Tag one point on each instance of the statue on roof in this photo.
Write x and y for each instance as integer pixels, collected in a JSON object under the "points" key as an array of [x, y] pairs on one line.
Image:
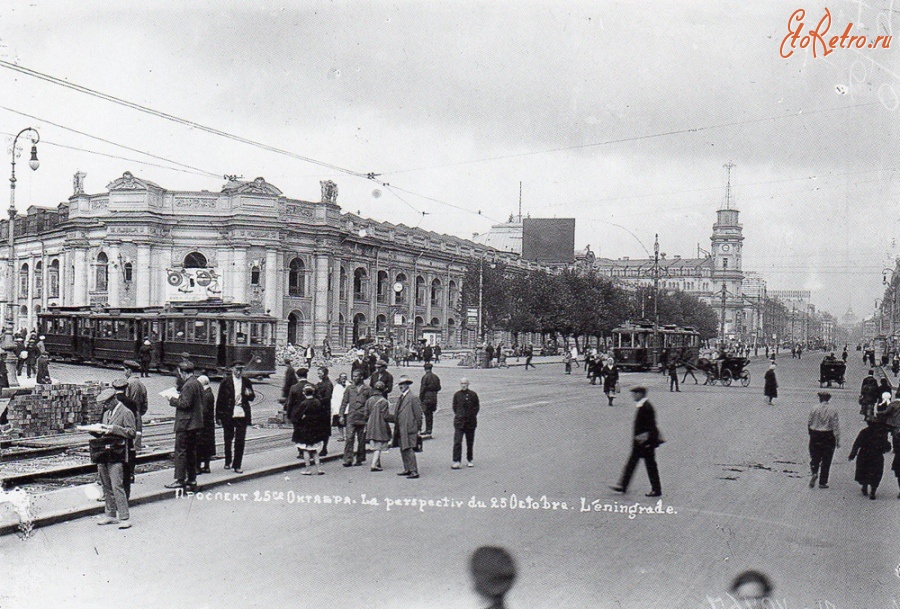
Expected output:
{"points": [[78, 183], [329, 191]]}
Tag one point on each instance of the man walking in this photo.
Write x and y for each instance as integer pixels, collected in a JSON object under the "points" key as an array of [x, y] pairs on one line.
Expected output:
{"points": [[529, 353], [408, 416], [645, 440], [868, 395], [428, 390], [353, 416], [188, 423], [824, 437], [465, 420], [233, 412], [673, 376]]}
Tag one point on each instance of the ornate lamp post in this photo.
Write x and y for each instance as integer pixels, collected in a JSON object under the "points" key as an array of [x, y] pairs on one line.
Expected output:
{"points": [[8, 345]]}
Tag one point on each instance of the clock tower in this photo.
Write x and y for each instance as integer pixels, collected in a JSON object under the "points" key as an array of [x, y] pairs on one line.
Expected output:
{"points": [[727, 243]]}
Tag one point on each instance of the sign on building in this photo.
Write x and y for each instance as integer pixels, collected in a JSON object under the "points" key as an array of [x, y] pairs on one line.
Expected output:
{"points": [[192, 284]]}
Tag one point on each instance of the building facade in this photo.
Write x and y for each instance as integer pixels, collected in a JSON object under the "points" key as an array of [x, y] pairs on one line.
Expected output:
{"points": [[322, 273]]}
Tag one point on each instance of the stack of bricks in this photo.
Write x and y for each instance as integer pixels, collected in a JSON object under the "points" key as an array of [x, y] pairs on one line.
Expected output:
{"points": [[53, 409]]}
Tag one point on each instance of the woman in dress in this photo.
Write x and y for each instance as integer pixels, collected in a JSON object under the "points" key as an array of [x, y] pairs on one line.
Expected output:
{"points": [[206, 445], [312, 425], [771, 384], [868, 450], [378, 432], [610, 376]]}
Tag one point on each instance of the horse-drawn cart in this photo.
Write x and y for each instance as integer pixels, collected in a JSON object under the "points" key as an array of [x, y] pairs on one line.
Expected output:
{"points": [[832, 371], [725, 370]]}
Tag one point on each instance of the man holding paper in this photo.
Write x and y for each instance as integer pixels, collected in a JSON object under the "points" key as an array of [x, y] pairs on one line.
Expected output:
{"points": [[188, 423]]}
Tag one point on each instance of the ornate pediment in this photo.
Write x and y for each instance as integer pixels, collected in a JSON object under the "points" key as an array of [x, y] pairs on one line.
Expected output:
{"points": [[129, 182], [259, 186]]}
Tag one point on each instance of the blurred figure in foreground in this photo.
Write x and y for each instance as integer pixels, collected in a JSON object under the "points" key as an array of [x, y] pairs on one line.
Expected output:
{"points": [[493, 574]]}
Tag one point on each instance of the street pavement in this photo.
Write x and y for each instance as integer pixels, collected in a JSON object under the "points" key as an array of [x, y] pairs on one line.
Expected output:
{"points": [[734, 473]]}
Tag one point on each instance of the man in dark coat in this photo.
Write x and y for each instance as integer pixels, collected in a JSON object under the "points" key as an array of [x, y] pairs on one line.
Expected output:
{"points": [[31, 360], [188, 423], [529, 353], [361, 364], [323, 392], [233, 412], [137, 393], [42, 376], [353, 415], [868, 395], [428, 390], [381, 374], [770, 387], [428, 353], [465, 420], [408, 415], [290, 377], [645, 440], [145, 356]]}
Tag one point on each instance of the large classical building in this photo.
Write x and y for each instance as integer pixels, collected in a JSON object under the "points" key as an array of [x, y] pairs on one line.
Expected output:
{"points": [[320, 272], [716, 278]]}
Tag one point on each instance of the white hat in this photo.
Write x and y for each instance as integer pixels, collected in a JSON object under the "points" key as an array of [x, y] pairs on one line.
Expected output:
{"points": [[886, 396], [360, 352]]}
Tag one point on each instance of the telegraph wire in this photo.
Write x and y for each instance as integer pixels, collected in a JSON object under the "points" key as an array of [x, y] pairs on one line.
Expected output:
{"points": [[105, 141]]}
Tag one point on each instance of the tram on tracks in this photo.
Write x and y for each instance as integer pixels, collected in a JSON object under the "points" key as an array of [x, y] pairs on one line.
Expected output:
{"points": [[633, 345], [212, 333]]}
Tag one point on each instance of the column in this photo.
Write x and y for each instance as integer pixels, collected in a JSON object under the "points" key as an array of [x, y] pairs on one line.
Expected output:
{"points": [[336, 301], [142, 274], [273, 272], [239, 275], [65, 292], [224, 258], [320, 300], [31, 275], [158, 280], [45, 273], [428, 279], [80, 287], [113, 274]]}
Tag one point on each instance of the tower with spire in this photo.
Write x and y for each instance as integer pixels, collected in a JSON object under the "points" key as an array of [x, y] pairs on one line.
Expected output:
{"points": [[727, 241]]}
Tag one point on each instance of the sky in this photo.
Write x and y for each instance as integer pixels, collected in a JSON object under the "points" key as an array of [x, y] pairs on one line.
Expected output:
{"points": [[621, 115]]}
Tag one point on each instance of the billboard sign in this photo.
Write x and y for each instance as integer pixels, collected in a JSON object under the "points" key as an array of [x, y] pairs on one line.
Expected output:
{"points": [[548, 240]]}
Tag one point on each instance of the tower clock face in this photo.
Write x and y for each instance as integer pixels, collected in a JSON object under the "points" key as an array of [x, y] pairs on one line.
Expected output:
{"points": [[726, 248]]}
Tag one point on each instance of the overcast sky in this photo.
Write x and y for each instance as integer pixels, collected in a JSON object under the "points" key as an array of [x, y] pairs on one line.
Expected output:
{"points": [[608, 112]]}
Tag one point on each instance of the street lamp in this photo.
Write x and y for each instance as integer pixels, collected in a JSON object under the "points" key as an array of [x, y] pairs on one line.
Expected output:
{"points": [[8, 345]]}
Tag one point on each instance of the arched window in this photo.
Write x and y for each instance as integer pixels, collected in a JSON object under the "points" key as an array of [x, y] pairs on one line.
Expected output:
{"points": [[296, 278], [380, 323], [53, 279], [436, 292], [360, 284], [254, 275], [38, 279], [23, 281], [195, 260], [400, 297], [343, 286], [454, 294], [102, 273], [128, 271], [382, 286], [420, 291]]}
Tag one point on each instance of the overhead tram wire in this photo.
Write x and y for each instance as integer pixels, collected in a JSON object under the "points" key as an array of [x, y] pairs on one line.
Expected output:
{"points": [[112, 143], [194, 125], [635, 138]]}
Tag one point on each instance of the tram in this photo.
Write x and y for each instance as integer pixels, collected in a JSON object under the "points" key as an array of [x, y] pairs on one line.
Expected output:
{"points": [[633, 345], [212, 333]]}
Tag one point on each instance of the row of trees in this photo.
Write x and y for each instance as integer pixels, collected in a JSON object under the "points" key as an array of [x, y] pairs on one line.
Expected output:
{"points": [[573, 303]]}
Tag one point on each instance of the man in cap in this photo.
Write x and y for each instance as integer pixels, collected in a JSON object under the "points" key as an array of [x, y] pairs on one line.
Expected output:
{"points": [[120, 385], [428, 390], [290, 378], [188, 423], [137, 393], [645, 440], [116, 420], [233, 412], [353, 416], [465, 420], [408, 417], [145, 356], [361, 364], [381, 374], [42, 376], [824, 437], [324, 391], [493, 573]]}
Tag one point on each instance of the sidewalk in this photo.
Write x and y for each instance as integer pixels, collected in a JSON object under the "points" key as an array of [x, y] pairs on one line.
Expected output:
{"points": [[78, 501]]}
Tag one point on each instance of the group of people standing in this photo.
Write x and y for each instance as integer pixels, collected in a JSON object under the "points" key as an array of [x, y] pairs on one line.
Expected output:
{"points": [[603, 367], [31, 357]]}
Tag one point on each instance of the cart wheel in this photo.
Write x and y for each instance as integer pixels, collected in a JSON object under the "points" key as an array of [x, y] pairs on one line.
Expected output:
{"points": [[745, 378], [726, 378], [710, 378]]}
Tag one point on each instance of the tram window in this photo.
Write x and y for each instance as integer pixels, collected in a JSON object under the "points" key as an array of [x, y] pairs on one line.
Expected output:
{"points": [[170, 330], [84, 328], [254, 334], [179, 326], [240, 333], [200, 331]]}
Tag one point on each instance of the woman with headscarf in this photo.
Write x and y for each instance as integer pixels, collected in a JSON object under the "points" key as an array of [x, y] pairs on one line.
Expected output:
{"points": [[378, 432], [206, 444], [868, 450], [312, 425]]}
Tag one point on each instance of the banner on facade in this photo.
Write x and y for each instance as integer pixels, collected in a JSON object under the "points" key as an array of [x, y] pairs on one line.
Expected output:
{"points": [[192, 284]]}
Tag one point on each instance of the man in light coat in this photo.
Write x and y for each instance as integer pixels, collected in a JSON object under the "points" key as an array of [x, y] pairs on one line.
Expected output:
{"points": [[408, 416]]}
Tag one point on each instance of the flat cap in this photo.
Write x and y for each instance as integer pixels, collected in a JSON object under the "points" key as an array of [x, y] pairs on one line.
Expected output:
{"points": [[120, 384], [106, 395], [379, 385], [404, 380], [381, 362], [638, 388]]}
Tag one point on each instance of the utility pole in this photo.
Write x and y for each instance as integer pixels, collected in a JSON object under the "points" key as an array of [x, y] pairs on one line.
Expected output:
{"points": [[793, 316], [655, 300], [722, 327]]}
